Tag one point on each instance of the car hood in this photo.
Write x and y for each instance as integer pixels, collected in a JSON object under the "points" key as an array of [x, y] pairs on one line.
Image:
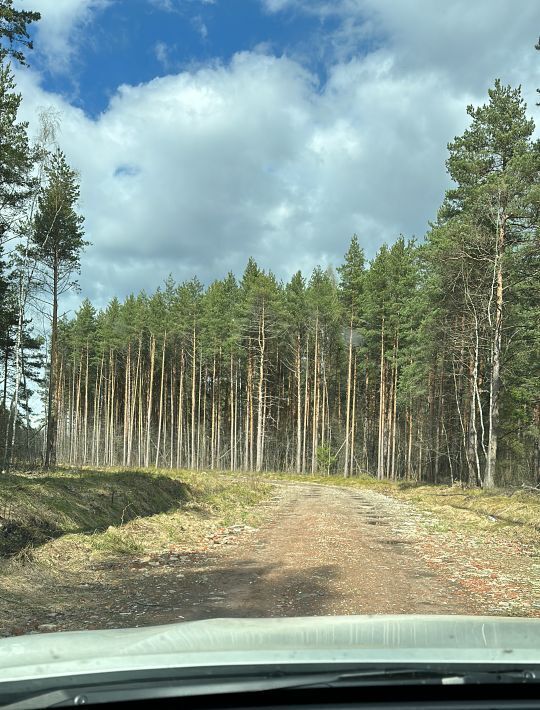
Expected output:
{"points": [[242, 642]]}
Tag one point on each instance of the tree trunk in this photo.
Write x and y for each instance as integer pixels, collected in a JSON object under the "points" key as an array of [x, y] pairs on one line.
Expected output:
{"points": [[193, 458], [298, 375], [496, 348], [353, 419], [348, 405], [160, 415], [380, 447], [260, 402], [52, 403], [315, 423], [149, 401]]}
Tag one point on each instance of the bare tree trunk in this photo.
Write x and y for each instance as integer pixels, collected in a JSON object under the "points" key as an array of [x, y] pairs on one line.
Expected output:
{"points": [[472, 442], [218, 414], [260, 403], [85, 453], [353, 418], [198, 454], [180, 421], [315, 422], [52, 403], [193, 459], [496, 348], [365, 427], [232, 416], [149, 401], [410, 440], [172, 414], [99, 410], [306, 410], [160, 415], [127, 406], [213, 418], [298, 374], [76, 446], [380, 447], [348, 405], [394, 411], [133, 403]]}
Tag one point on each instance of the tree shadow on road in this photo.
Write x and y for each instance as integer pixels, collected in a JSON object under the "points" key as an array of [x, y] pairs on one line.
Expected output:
{"points": [[192, 591]]}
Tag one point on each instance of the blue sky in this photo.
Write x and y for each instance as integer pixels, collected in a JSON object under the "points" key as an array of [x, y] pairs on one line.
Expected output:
{"points": [[206, 132], [134, 41]]}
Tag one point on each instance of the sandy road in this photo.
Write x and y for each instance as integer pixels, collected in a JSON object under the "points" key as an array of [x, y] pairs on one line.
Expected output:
{"points": [[322, 550]]}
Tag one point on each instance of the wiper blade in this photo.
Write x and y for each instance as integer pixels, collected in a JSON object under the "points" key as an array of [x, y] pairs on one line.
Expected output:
{"points": [[170, 688], [422, 676]]}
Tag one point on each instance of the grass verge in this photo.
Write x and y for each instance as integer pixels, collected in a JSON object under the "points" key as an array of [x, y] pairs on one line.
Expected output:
{"points": [[61, 529]]}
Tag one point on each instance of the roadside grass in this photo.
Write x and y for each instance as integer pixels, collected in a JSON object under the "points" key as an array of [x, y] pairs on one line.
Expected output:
{"points": [[37, 507], [61, 528]]}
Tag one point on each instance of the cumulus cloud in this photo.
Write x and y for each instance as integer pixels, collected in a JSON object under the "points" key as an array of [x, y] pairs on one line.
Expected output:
{"points": [[175, 5], [469, 42], [61, 28], [192, 173]]}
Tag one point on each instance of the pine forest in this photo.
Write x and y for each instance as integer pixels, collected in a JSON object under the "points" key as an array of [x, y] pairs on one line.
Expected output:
{"points": [[421, 363]]}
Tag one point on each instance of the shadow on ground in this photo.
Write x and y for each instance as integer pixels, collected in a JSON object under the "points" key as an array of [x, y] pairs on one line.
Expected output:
{"points": [[189, 592], [37, 508]]}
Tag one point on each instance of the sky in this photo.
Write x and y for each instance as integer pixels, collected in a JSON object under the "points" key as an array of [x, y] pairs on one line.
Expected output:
{"points": [[208, 131]]}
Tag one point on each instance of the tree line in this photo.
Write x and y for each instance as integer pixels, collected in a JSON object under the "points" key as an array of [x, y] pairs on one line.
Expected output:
{"points": [[422, 363], [41, 238]]}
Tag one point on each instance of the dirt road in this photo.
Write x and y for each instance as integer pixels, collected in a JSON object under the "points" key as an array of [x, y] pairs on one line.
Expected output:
{"points": [[320, 550], [323, 551]]}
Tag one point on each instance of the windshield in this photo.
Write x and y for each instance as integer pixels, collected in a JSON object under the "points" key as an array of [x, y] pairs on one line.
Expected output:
{"points": [[270, 311]]}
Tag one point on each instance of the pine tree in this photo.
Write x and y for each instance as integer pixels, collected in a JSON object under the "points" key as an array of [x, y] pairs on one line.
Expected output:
{"points": [[57, 242], [14, 31], [351, 274], [496, 167]]}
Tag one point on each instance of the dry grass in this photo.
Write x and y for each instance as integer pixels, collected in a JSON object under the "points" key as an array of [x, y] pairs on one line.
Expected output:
{"points": [[70, 523]]}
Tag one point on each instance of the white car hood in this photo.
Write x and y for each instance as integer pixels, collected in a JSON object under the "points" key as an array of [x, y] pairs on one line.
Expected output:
{"points": [[228, 642]]}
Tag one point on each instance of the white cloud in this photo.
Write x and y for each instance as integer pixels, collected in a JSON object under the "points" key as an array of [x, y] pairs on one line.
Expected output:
{"points": [[469, 42], [192, 173], [175, 5], [161, 50], [200, 27], [166, 5], [61, 28]]}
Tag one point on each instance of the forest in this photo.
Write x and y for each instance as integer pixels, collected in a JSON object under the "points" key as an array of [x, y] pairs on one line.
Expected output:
{"points": [[422, 363]]}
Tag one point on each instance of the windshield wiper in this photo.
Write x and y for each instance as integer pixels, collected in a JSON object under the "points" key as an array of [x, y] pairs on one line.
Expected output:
{"points": [[266, 681], [419, 675]]}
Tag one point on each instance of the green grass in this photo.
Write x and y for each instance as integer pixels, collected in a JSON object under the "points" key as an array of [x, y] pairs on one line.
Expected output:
{"points": [[60, 530], [102, 506]]}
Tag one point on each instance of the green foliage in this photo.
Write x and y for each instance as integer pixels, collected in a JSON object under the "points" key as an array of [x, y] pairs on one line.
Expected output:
{"points": [[16, 157], [325, 458], [14, 31], [57, 238], [352, 277]]}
